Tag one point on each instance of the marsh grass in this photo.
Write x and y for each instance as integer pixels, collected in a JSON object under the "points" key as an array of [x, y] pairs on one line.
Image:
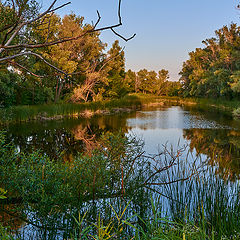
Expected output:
{"points": [[133, 101], [28, 113]]}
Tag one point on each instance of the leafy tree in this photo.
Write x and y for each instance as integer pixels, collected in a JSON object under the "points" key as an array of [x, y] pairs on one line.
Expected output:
{"points": [[81, 56], [20, 17], [212, 71], [130, 81], [151, 82], [8, 84], [116, 72], [161, 82], [142, 78]]}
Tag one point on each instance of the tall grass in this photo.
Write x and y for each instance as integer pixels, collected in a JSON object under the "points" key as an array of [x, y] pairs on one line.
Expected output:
{"points": [[107, 195], [27, 113]]}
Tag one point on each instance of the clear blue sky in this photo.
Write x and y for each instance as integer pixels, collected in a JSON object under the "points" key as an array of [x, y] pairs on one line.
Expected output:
{"points": [[166, 29]]}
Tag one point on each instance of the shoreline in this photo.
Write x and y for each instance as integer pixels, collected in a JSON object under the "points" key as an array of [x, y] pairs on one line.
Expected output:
{"points": [[127, 104]]}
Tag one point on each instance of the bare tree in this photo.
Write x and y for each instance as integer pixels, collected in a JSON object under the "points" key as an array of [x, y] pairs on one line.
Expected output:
{"points": [[23, 17]]}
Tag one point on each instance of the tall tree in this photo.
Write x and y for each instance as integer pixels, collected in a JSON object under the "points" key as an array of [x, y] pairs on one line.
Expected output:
{"points": [[116, 71], [161, 82], [212, 71], [19, 17]]}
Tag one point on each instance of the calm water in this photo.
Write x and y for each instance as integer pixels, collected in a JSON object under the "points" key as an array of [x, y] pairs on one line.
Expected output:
{"points": [[204, 132], [210, 135]]}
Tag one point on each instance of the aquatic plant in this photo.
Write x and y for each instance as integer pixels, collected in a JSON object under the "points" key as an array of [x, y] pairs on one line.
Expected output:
{"points": [[117, 192]]}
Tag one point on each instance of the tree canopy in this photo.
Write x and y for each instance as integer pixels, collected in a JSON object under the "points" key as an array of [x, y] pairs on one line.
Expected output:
{"points": [[213, 71]]}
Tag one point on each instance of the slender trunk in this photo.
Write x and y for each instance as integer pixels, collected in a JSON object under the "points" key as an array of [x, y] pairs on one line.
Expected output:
{"points": [[59, 90], [55, 99]]}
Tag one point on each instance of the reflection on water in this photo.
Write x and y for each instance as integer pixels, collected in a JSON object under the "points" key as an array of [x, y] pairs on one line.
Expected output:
{"points": [[221, 146], [173, 117], [210, 133]]}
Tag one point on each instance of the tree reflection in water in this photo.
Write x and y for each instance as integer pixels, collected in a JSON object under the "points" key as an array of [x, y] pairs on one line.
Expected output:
{"points": [[95, 182], [222, 146]]}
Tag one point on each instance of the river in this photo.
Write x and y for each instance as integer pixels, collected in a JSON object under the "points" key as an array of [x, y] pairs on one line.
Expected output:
{"points": [[203, 130], [193, 135]]}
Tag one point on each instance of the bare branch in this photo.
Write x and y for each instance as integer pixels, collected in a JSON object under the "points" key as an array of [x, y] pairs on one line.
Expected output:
{"points": [[26, 23], [34, 54], [49, 25], [25, 69], [119, 35], [42, 14], [99, 19], [159, 171], [57, 8], [47, 44], [16, 27], [119, 12], [152, 189], [171, 182]]}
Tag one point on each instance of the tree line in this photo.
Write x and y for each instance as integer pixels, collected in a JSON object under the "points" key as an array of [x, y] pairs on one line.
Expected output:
{"points": [[80, 70], [214, 70], [46, 58]]}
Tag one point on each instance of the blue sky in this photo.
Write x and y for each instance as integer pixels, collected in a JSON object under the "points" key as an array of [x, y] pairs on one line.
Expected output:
{"points": [[166, 29]]}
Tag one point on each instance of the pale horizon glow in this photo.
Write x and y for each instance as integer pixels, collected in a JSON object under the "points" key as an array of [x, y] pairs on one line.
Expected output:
{"points": [[166, 30]]}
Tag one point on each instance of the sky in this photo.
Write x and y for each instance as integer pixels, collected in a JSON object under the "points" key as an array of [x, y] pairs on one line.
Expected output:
{"points": [[166, 30]]}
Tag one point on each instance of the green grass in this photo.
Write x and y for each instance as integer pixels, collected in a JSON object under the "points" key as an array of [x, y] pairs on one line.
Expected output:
{"points": [[133, 101], [28, 113]]}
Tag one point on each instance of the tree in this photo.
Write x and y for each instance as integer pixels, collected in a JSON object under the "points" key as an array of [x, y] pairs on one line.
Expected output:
{"points": [[20, 17], [81, 56], [212, 71], [161, 82], [130, 81], [116, 71], [142, 79]]}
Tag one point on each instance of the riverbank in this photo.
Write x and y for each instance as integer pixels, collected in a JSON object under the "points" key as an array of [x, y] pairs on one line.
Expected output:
{"points": [[63, 110], [59, 111], [226, 106], [124, 105], [77, 200]]}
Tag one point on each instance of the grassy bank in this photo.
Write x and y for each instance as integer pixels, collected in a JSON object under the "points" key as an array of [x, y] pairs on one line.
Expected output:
{"points": [[128, 103], [44, 112], [228, 106]]}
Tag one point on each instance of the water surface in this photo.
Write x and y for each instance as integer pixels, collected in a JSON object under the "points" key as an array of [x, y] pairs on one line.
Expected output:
{"points": [[203, 134], [204, 131]]}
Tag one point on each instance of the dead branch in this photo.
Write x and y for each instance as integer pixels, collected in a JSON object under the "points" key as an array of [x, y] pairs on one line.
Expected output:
{"points": [[93, 29], [34, 54], [25, 69], [16, 27], [119, 35], [171, 182]]}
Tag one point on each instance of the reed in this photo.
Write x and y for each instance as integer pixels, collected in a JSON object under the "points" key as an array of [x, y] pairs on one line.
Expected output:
{"points": [[38, 112], [104, 195]]}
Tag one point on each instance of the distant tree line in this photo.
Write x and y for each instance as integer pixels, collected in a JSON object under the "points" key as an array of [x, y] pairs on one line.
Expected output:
{"points": [[150, 82]]}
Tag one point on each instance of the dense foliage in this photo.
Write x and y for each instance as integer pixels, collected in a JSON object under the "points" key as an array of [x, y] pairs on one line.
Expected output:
{"points": [[214, 71], [93, 74]]}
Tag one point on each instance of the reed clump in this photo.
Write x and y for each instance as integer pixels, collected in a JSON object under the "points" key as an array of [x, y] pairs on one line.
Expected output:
{"points": [[117, 192]]}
